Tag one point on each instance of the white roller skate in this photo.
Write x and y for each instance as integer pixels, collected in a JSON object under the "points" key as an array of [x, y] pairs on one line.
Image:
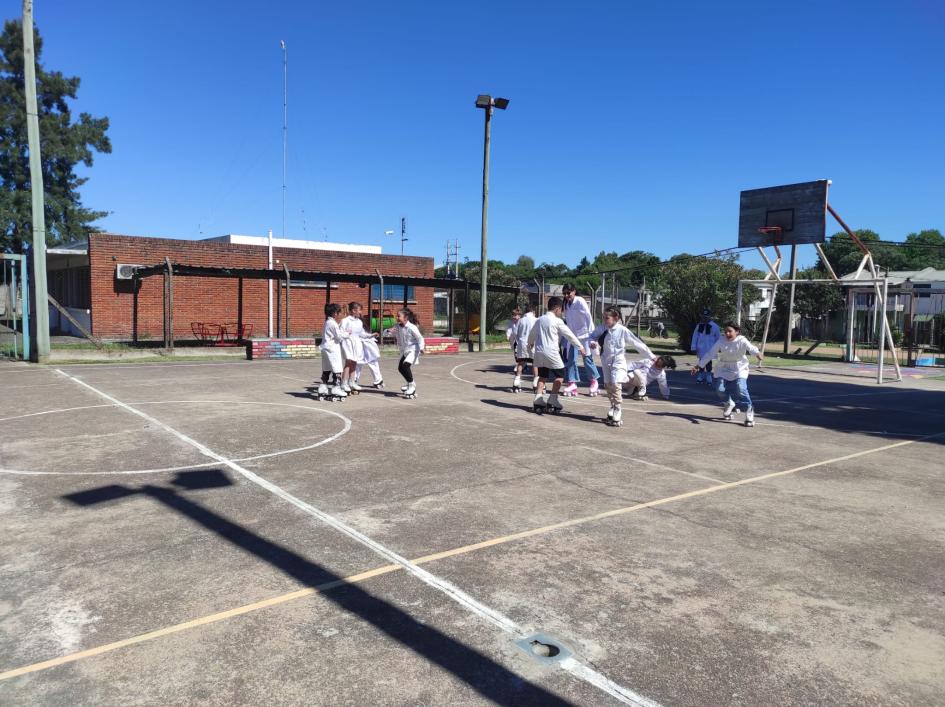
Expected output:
{"points": [[617, 419], [639, 394], [410, 393], [355, 389], [535, 384], [346, 387], [729, 409], [554, 405], [338, 393], [378, 385], [610, 414], [517, 384], [403, 388], [540, 403], [570, 390], [750, 417], [323, 392]]}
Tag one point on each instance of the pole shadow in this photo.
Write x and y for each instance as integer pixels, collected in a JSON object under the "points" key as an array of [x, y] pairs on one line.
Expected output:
{"points": [[487, 677]]}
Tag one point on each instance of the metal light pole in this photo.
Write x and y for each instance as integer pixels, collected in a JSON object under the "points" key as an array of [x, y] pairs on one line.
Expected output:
{"points": [[487, 103], [40, 349]]}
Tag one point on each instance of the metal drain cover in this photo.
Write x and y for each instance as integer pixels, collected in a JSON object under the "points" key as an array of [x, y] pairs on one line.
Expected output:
{"points": [[543, 648]]}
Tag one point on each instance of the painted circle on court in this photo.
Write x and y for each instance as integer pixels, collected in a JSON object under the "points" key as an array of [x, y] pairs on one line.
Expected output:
{"points": [[346, 427]]}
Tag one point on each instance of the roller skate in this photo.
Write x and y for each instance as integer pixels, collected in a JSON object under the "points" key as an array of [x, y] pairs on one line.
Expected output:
{"points": [[323, 392], [554, 405], [535, 384], [517, 384], [729, 409], [540, 404], [610, 415], [570, 390], [378, 385], [616, 419], [750, 417], [403, 388], [639, 394], [593, 388], [346, 387], [337, 393], [353, 388], [410, 392]]}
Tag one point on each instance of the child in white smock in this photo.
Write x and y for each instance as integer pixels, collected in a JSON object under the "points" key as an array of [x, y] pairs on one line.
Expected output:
{"points": [[731, 376]]}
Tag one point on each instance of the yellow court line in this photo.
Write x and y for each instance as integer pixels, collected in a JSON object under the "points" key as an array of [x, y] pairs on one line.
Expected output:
{"points": [[386, 569]]}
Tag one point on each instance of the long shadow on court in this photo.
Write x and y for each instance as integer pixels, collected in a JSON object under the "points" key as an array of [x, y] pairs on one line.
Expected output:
{"points": [[490, 679], [526, 407], [888, 411]]}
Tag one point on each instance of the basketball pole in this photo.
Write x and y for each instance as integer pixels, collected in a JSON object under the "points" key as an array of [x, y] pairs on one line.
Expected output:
{"points": [[789, 327]]}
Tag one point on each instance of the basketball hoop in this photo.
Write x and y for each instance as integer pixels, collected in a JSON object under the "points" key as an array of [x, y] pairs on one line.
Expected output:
{"points": [[774, 233]]}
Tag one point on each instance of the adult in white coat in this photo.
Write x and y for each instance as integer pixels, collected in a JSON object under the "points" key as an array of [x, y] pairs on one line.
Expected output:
{"points": [[703, 338], [544, 341], [577, 315], [613, 338]]}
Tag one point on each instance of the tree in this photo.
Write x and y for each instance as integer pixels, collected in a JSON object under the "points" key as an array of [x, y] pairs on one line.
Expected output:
{"points": [[925, 249], [498, 306], [689, 284], [815, 301], [845, 256], [64, 143], [525, 262]]}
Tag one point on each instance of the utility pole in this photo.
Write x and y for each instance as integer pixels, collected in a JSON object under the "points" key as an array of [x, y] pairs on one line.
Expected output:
{"points": [[285, 127], [641, 294], [403, 233], [40, 322], [488, 103]]}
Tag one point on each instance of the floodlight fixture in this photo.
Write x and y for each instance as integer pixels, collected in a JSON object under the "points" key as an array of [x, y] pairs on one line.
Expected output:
{"points": [[501, 103], [483, 100]]}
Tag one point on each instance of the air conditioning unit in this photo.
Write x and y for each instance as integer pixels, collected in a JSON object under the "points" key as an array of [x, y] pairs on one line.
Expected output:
{"points": [[124, 271]]}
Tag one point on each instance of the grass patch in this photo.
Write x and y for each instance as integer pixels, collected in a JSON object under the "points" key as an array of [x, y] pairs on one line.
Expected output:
{"points": [[88, 346]]}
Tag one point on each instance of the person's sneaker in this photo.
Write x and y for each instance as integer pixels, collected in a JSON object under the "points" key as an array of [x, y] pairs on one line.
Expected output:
{"points": [[729, 409], [594, 387]]}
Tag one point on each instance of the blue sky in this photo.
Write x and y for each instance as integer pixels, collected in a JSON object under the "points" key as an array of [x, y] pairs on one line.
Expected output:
{"points": [[631, 126]]}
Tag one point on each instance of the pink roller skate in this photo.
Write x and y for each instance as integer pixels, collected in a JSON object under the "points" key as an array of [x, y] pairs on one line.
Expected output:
{"points": [[570, 390], [594, 386]]}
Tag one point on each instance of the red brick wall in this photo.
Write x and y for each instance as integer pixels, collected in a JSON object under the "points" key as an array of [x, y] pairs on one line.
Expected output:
{"points": [[216, 299]]}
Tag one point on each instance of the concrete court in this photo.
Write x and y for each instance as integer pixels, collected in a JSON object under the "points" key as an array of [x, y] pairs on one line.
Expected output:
{"points": [[190, 583]]}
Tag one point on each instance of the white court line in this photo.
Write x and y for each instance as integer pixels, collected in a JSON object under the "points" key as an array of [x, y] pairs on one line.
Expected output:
{"points": [[167, 469], [653, 464], [487, 613]]}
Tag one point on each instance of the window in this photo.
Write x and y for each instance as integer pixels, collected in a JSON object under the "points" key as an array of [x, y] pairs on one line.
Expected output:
{"points": [[316, 284], [393, 293]]}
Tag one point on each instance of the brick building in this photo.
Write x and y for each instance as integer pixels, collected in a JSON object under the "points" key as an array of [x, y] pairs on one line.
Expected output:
{"points": [[84, 279]]}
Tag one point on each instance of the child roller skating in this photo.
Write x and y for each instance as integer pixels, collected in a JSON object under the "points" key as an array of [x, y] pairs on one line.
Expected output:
{"points": [[612, 338], [704, 337], [358, 348], [519, 338], [411, 345], [651, 371], [332, 355], [544, 341], [731, 379], [577, 315]]}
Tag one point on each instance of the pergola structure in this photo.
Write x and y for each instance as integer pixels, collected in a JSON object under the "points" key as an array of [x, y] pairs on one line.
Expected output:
{"points": [[169, 270]]}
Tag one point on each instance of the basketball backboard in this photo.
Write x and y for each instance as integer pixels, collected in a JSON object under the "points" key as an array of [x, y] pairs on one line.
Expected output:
{"points": [[799, 210]]}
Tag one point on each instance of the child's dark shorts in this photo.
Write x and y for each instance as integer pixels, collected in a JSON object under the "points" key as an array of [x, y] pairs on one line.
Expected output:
{"points": [[550, 373]]}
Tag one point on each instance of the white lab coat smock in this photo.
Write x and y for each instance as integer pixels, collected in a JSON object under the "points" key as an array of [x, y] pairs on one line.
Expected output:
{"points": [[353, 346], [577, 315], [545, 340], [522, 330], [705, 339], [409, 341], [733, 357], [332, 354], [647, 373], [510, 337], [613, 355]]}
